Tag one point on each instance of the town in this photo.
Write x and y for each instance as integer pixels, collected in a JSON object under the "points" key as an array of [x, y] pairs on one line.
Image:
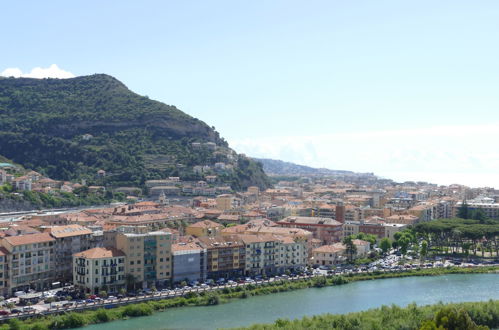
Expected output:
{"points": [[171, 239]]}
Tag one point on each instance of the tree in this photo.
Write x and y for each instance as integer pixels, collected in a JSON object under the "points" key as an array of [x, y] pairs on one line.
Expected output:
{"points": [[130, 281], [385, 245], [423, 251], [351, 249], [479, 215], [103, 294], [463, 211]]}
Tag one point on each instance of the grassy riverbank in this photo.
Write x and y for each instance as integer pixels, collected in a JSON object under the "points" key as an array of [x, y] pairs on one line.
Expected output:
{"points": [[472, 315], [79, 319]]}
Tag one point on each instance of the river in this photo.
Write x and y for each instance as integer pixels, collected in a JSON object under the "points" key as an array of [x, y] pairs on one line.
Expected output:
{"points": [[341, 299]]}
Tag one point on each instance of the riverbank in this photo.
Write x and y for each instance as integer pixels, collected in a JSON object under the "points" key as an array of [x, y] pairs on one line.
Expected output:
{"points": [[472, 314], [74, 319]]}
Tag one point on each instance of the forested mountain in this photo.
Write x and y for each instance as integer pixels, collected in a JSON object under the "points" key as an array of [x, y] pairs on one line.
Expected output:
{"points": [[70, 128], [279, 167]]}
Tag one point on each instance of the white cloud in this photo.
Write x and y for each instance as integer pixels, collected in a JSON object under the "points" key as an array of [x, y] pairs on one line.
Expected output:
{"points": [[440, 154], [52, 71]]}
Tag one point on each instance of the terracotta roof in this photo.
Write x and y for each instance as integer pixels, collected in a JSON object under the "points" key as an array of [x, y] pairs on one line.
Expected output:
{"points": [[360, 242], [99, 253], [205, 224], [334, 248], [29, 239], [69, 230], [248, 239]]}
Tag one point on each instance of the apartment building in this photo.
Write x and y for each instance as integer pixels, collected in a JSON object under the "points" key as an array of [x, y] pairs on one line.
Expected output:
{"points": [[262, 254], [99, 269], [4, 272], [487, 205], [293, 254], [69, 240], [325, 229], [204, 228], [32, 263], [226, 256], [148, 254], [189, 261], [328, 255], [225, 202]]}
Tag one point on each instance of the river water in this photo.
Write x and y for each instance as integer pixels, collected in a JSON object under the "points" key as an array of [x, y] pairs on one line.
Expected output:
{"points": [[341, 299]]}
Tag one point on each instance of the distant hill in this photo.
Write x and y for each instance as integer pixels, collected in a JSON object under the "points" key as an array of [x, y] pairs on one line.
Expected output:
{"points": [[69, 129], [279, 167]]}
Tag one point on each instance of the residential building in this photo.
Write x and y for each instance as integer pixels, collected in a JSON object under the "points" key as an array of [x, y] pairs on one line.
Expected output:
{"points": [[392, 228], [293, 254], [262, 254], [189, 261], [4, 271], [148, 254], [69, 240], [225, 202], [226, 256], [363, 248], [328, 255], [325, 229], [204, 228], [32, 263], [99, 269]]}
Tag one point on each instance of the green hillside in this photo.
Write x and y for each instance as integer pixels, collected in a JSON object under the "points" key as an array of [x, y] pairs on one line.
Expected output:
{"points": [[69, 129]]}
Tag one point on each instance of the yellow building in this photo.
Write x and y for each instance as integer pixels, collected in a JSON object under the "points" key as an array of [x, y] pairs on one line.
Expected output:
{"points": [[225, 202], [148, 255], [204, 228]]}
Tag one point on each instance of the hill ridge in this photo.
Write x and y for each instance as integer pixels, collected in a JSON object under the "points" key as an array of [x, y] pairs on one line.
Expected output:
{"points": [[71, 128]]}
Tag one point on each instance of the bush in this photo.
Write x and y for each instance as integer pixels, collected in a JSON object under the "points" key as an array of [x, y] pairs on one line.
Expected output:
{"points": [[137, 310], [212, 299], [102, 315]]}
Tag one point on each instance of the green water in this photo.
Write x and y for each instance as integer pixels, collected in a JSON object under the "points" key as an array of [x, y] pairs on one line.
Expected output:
{"points": [[352, 297]]}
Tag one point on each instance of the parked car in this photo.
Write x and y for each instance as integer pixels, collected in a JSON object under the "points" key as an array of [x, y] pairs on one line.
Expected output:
{"points": [[4, 312], [16, 310]]}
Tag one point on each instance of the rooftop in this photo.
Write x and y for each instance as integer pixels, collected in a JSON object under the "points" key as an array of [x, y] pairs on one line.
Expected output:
{"points": [[29, 239], [99, 253]]}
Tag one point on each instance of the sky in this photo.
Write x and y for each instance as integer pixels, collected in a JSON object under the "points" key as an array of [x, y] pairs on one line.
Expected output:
{"points": [[405, 89]]}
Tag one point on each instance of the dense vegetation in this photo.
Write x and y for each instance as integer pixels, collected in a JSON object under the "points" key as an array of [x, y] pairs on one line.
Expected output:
{"points": [[68, 129], [463, 236], [57, 199], [462, 316]]}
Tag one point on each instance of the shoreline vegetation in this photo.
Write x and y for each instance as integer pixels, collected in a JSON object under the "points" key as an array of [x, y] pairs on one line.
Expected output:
{"points": [[465, 316], [70, 320]]}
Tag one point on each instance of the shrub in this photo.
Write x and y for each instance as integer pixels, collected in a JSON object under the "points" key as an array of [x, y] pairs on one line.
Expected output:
{"points": [[137, 310]]}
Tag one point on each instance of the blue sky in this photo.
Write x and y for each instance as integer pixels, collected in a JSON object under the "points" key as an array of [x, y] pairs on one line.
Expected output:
{"points": [[405, 89]]}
